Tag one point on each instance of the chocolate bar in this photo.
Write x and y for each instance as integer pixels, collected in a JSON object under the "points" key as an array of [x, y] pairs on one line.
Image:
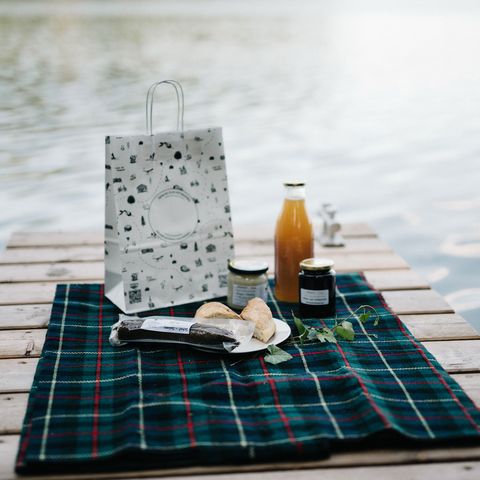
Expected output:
{"points": [[169, 330]]}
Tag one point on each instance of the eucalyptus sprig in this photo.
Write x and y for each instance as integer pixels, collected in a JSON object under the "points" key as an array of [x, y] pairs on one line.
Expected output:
{"points": [[342, 329]]}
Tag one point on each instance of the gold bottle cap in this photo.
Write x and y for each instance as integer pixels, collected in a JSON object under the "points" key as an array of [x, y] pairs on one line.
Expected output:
{"points": [[317, 264]]}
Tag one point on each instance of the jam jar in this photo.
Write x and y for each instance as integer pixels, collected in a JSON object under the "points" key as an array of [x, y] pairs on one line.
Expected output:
{"points": [[246, 280], [316, 288]]}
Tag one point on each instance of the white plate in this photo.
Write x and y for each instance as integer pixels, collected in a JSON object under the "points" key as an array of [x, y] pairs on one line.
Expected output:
{"points": [[282, 332]]}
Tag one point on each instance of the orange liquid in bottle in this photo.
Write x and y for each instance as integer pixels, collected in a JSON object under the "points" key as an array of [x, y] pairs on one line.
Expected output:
{"points": [[293, 243]]}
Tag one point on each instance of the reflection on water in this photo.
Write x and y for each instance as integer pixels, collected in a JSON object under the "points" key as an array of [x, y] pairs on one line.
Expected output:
{"points": [[466, 299], [377, 109], [437, 274], [462, 246]]}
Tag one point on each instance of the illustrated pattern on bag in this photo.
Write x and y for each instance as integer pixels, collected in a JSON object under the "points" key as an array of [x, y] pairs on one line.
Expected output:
{"points": [[173, 214]]}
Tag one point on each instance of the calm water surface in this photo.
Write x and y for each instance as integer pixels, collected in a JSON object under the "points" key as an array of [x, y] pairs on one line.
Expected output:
{"points": [[377, 108]]}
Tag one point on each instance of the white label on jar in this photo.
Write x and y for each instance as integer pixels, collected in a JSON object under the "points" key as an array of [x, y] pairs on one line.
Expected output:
{"points": [[167, 325], [313, 297], [241, 294]]}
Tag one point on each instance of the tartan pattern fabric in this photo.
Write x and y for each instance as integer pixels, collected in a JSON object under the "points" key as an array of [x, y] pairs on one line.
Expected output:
{"points": [[91, 402]]}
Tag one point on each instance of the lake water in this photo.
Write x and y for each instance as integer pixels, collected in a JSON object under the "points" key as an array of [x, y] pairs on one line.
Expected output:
{"points": [[377, 108]]}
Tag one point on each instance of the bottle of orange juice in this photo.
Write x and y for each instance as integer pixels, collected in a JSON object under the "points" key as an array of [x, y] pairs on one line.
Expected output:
{"points": [[293, 242]]}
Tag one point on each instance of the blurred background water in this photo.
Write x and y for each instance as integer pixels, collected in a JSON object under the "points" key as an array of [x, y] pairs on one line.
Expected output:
{"points": [[377, 107]]}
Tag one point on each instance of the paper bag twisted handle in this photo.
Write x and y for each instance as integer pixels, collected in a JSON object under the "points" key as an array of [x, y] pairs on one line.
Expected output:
{"points": [[149, 104]]}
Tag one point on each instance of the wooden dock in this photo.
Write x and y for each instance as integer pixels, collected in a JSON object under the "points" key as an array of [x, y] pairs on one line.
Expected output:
{"points": [[34, 263]]}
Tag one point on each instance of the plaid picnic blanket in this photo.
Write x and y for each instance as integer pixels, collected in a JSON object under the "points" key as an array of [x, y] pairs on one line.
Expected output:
{"points": [[96, 406]]}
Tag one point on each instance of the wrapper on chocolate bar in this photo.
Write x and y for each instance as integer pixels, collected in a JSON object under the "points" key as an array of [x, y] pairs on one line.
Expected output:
{"points": [[219, 335]]}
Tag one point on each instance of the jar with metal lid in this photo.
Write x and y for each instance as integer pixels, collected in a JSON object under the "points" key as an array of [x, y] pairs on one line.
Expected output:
{"points": [[246, 280], [317, 287]]}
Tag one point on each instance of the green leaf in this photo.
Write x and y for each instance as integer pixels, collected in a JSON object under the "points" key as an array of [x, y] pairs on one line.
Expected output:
{"points": [[368, 311], [311, 333], [299, 324], [345, 330], [276, 355], [302, 328], [364, 316], [326, 335]]}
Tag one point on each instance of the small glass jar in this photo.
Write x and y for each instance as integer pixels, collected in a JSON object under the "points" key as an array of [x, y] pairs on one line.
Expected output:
{"points": [[246, 280], [317, 288]]}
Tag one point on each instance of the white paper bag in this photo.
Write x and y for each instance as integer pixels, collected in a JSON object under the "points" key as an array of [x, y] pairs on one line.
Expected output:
{"points": [[168, 230]]}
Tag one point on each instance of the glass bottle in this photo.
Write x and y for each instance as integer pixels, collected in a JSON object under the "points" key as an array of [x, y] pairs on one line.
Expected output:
{"points": [[293, 242]]}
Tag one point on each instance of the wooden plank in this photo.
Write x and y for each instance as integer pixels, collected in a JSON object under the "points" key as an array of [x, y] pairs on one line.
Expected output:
{"points": [[28, 293], [458, 356], [13, 407], [352, 245], [354, 229], [24, 316], [21, 343], [355, 245], [81, 271], [442, 326], [41, 292], [377, 462], [53, 272], [354, 262], [356, 458], [36, 292], [244, 233], [31, 292], [54, 239], [87, 253], [455, 356], [428, 327], [396, 280], [16, 374], [95, 253], [470, 383], [450, 471], [357, 262], [416, 301], [265, 233]]}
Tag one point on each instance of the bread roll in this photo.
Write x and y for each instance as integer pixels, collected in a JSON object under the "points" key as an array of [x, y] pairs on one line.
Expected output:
{"points": [[257, 311], [215, 310]]}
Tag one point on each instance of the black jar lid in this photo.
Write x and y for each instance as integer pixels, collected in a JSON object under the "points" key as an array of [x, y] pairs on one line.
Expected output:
{"points": [[317, 264], [247, 267]]}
